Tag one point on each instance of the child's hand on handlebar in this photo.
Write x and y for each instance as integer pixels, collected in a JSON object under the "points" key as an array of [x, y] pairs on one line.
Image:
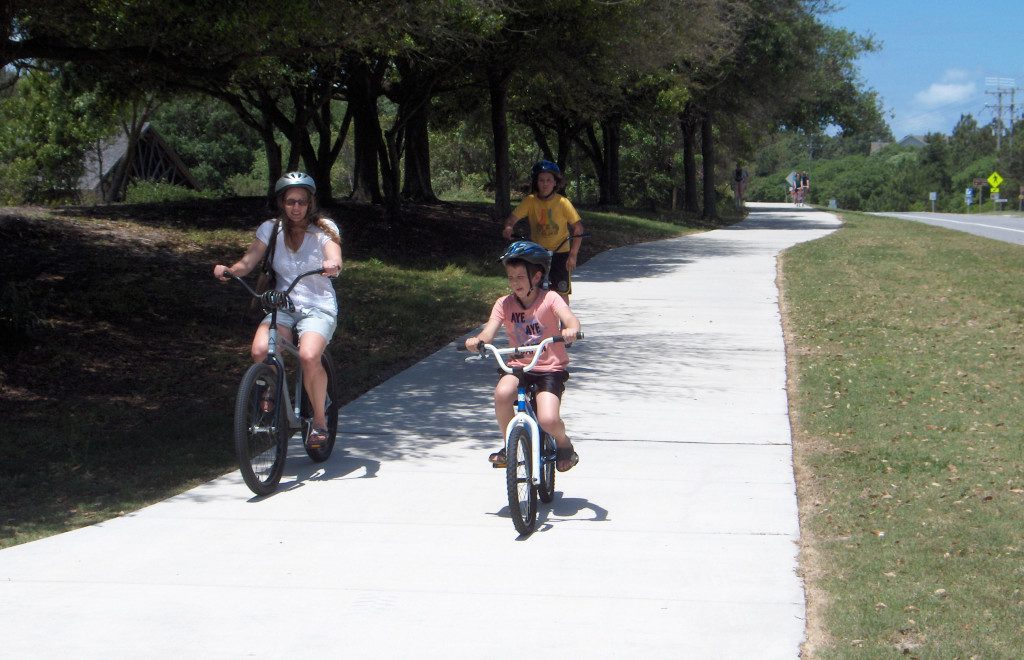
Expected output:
{"points": [[473, 344], [569, 335]]}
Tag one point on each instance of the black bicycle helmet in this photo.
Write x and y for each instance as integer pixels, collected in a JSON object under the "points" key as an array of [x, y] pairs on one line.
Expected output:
{"points": [[546, 166], [531, 253], [295, 180]]}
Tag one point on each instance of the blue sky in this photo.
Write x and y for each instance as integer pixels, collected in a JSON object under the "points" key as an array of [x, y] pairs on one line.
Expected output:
{"points": [[935, 57]]}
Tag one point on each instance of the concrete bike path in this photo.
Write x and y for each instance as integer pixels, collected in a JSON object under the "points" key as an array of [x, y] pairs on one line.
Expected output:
{"points": [[674, 537]]}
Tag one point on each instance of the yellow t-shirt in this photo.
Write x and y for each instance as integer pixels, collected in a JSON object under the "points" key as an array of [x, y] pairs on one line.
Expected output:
{"points": [[549, 220]]}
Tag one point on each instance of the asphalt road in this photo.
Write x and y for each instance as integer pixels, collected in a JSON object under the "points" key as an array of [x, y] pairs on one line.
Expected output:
{"points": [[1006, 228]]}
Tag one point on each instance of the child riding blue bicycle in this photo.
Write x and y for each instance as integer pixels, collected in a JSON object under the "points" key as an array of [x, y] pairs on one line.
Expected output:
{"points": [[530, 314]]}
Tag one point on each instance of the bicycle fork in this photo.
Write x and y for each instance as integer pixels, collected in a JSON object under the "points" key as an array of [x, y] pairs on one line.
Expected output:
{"points": [[525, 418]]}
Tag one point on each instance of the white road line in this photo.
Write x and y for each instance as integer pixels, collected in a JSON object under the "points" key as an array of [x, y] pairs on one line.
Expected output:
{"points": [[956, 222]]}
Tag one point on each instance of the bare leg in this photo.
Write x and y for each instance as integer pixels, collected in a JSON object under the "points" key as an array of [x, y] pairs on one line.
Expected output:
{"points": [[505, 401], [550, 417], [314, 376]]}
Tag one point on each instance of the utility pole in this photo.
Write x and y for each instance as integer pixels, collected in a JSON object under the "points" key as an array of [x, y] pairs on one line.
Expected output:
{"points": [[1003, 87]]}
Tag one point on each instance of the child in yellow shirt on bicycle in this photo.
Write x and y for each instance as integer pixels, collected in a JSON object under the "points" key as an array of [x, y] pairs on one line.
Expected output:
{"points": [[553, 223]]}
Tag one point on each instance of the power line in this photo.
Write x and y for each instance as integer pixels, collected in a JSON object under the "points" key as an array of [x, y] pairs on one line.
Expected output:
{"points": [[1003, 87]]}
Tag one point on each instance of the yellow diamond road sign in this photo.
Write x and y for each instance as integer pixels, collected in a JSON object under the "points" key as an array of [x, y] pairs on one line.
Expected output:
{"points": [[994, 179]]}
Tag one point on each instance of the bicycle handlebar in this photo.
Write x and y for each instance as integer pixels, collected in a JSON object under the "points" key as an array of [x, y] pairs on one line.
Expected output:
{"points": [[515, 351], [272, 297], [570, 237]]}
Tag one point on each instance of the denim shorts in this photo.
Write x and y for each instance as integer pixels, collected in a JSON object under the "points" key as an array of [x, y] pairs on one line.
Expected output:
{"points": [[307, 320]]}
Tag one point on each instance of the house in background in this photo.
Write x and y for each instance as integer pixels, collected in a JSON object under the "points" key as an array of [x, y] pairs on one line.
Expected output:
{"points": [[915, 141], [108, 169]]}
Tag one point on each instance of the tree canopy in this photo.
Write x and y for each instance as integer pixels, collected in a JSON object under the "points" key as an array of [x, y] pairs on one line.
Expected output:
{"points": [[575, 73]]}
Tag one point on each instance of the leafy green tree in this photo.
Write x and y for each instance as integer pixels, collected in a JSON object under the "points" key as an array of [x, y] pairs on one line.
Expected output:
{"points": [[208, 137], [792, 70], [934, 164], [45, 129], [969, 141]]}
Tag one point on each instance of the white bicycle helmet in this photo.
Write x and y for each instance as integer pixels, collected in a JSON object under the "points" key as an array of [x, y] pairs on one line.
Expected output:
{"points": [[295, 180]]}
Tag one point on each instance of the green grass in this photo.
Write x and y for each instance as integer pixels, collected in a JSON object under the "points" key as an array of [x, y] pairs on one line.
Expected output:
{"points": [[120, 355], [907, 348]]}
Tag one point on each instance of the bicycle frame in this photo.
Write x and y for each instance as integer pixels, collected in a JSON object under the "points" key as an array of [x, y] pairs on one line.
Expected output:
{"points": [[276, 360], [525, 414], [277, 300]]}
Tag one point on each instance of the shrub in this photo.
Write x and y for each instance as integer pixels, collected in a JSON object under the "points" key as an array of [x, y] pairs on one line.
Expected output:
{"points": [[141, 192]]}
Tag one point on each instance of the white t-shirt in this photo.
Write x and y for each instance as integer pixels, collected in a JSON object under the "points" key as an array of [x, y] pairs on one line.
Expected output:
{"points": [[312, 291]]}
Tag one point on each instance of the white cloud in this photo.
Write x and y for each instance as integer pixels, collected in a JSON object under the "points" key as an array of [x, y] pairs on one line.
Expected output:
{"points": [[945, 93], [955, 75]]}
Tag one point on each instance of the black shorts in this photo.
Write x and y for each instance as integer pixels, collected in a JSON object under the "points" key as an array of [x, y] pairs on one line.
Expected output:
{"points": [[559, 277], [548, 381]]}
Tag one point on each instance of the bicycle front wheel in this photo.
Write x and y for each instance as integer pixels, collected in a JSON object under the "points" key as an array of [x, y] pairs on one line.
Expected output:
{"points": [[330, 412], [261, 435], [549, 455], [522, 494]]}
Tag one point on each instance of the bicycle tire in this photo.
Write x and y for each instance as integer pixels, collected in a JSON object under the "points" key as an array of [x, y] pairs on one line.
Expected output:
{"points": [[261, 436], [522, 494], [331, 413], [547, 468]]}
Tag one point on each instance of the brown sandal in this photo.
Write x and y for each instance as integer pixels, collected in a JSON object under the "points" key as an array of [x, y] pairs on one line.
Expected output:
{"points": [[317, 439], [498, 459], [566, 455]]}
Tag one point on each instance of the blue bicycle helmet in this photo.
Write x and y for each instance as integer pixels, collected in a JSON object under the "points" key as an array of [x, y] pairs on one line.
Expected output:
{"points": [[531, 253], [295, 180], [546, 166]]}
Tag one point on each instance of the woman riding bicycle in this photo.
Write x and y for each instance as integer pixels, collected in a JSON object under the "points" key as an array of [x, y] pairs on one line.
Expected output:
{"points": [[530, 314], [303, 240], [553, 219]]}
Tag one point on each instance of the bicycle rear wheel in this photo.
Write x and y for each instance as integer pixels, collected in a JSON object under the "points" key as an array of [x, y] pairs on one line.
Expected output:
{"points": [[547, 468], [261, 435], [522, 494], [330, 412]]}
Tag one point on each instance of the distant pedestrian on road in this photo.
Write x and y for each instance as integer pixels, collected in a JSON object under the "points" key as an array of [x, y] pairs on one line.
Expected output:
{"points": [[531, 314], [553, 220], [804, 183], [739, 178]]}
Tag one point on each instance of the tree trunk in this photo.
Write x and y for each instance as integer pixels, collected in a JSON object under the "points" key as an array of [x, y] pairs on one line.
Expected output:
{"points": [[611, 130], [707, 148], [687, 126], [390, 158], [132, 127], [600, 161], [362, 98], [273, 150], [417, 185], [497, 86]]}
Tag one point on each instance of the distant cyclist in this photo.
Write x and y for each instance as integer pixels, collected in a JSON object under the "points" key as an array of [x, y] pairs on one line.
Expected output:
{"points": [[553, 219]]}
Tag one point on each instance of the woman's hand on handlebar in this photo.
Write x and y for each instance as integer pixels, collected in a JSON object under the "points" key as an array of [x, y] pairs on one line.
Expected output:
{"points": [[222, 272], [331, 267]]}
